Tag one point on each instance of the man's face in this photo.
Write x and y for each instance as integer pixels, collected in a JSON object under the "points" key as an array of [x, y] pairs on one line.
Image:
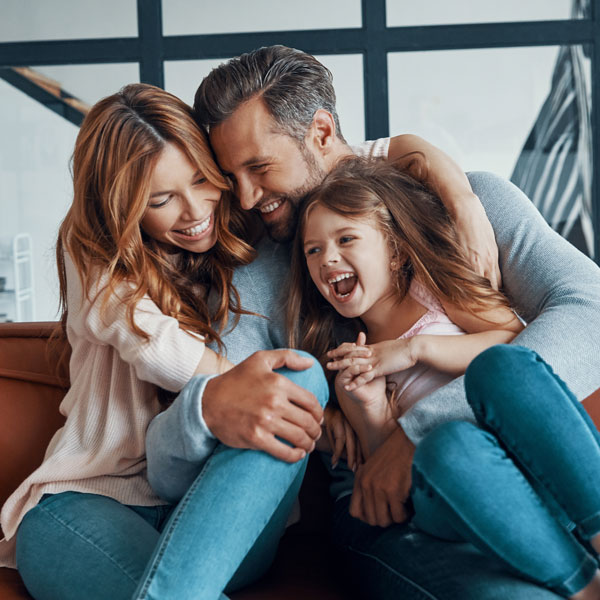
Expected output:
{"points": [[269, 170]]}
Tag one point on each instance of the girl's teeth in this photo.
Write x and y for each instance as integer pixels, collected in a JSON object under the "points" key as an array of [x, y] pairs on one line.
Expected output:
{"points": [[270, 207], [198, 229], [340, 277]]}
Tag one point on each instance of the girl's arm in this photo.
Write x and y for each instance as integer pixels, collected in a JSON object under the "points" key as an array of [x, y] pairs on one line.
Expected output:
{"points": [[453, 354], [448, 181], [449, 353]]}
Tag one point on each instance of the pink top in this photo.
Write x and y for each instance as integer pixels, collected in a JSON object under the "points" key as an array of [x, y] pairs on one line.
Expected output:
{"points": [[112, 399], [421, 380]]}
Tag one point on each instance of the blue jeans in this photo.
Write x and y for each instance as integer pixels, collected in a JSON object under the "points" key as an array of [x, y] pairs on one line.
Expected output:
{"points": [[222, 535], [524, 486]]}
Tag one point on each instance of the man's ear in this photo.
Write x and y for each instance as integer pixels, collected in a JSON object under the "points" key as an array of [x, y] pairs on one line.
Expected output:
{"points": [[322, 131]]}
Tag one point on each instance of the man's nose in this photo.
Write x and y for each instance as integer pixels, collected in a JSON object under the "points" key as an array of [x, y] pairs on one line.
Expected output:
{"points": [[249, 194]]}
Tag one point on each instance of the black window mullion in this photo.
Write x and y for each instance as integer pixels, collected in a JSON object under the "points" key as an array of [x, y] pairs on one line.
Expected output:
{"points": [[375, 72], [151, 42]]}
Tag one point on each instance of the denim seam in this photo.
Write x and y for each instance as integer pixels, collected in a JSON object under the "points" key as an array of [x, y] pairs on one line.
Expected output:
{"points": [[565, 586], [94, 545], [585, 524], [389, 568], [169, 534], [513, 450], [481, 538]]}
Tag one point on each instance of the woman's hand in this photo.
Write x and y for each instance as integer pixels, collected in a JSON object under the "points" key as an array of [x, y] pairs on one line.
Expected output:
{"points": [[362, 363], [342, 438]]}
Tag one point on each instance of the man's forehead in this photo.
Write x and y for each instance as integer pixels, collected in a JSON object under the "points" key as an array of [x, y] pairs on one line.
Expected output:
{"points": [[238, 146]]}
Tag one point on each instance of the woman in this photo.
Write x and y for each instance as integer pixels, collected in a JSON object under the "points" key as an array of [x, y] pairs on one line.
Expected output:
{"points": [[146, 257]]}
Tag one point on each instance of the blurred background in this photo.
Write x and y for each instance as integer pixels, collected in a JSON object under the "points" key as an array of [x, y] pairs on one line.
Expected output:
{"points": [[500, 86]]}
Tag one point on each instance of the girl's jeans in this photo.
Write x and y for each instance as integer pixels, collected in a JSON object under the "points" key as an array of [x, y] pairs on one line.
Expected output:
{"points": [[525, 484], [221, 536]]}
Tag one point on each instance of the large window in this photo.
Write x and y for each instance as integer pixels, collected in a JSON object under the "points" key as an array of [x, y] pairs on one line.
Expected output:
{"points": [[506, 87]]}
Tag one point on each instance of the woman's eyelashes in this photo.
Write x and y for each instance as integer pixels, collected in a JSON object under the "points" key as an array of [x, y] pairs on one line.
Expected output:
{"points": [[159, 203]]}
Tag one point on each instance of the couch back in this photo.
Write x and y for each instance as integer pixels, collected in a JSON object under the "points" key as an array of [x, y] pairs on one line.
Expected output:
{"points": [[31, 390], [32, 386]]}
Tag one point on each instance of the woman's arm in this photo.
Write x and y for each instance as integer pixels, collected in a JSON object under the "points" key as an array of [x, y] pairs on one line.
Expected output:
{"points": [[447, 180], [212, 363]]}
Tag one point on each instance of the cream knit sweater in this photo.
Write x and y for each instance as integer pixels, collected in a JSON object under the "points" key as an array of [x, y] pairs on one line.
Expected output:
{"points": [[112, 399]]}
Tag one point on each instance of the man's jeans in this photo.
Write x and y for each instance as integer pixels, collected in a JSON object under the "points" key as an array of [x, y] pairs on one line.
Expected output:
{"points": [[221, 536], [505, 486]]}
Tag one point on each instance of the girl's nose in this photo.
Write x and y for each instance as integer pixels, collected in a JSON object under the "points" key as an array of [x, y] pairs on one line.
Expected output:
{"points": [[330, 256]]}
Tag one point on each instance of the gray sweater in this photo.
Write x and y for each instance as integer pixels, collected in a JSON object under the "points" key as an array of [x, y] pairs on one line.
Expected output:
{"points": [[554, 287]]}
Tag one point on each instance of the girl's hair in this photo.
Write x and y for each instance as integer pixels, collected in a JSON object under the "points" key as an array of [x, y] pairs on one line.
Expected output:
{"points": [[422, 239], [118, 145]]}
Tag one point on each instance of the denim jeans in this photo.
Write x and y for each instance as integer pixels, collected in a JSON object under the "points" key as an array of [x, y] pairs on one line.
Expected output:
{"points": [[507, 485], [222, 535]]}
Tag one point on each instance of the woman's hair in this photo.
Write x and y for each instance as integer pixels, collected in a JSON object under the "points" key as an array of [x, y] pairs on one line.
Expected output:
{"points": [[421, 236], [118, 145]]}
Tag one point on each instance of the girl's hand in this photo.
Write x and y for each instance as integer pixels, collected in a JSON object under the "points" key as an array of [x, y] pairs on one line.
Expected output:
{"points": [[362, 363], [341, 437]]}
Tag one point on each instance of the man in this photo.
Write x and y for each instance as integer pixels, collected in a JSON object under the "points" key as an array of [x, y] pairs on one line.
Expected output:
{"points": [[272, 123]]}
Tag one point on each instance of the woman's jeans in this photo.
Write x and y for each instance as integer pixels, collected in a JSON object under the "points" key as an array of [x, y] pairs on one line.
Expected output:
{"points": [[525, 484], [221, 536]]}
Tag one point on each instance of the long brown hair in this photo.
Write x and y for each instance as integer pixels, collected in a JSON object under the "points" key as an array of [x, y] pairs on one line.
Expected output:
{"points": [[118, 145], [422, 240]]}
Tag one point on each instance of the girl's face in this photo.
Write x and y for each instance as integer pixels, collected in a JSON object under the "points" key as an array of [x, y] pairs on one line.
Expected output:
{"points": [[181, 204], [348, 261]]}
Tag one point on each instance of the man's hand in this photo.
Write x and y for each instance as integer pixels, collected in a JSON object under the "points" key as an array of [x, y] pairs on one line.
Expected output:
{"points": [[382, 483], [250, 406], [477, 237]]}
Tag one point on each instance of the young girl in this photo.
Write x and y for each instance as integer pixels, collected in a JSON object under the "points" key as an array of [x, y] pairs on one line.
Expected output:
{"points": [[381, 252], [146, 258]]}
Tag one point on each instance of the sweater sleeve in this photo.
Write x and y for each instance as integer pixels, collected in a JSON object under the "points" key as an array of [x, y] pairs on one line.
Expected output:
{"points": [[178, 442], [168, 358], [552, 285]]}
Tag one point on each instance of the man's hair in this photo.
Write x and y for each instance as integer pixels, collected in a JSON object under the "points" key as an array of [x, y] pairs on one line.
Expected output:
{"points": [[292, 84]]}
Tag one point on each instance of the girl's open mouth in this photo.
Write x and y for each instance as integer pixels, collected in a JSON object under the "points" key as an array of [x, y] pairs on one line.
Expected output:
{"points": [[343, 285]]}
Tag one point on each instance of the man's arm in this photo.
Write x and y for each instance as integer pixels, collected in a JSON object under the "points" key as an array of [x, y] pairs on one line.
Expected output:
{"points": [[553, 286], [446, 179]]}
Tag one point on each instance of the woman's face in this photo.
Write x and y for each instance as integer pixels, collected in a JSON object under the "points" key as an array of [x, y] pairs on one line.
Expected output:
{"points": [[181, 204]]}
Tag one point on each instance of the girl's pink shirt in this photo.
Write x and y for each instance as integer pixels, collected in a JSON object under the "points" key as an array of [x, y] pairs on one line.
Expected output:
{"points": [[411, 385]]}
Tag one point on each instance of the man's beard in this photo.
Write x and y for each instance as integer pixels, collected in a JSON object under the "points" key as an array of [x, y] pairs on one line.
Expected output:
{"points": [[284, 230]]}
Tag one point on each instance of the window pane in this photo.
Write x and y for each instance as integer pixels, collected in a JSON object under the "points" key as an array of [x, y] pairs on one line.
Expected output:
{"points": [[92, 82], [480, 107], [26, 20], [35, 182], [183, 17], [182, 78], [442, 12]]}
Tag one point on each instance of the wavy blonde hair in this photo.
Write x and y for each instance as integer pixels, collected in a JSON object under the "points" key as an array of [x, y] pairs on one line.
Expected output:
{"points": [[118, 145], [421, 236]]}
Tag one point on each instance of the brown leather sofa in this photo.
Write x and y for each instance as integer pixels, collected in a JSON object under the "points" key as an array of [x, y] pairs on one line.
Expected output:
{"points": [[31, 390]]}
